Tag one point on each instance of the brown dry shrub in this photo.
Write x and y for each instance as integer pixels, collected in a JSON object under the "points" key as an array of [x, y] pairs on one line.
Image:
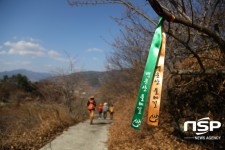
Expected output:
{"points": [[31, 125], [122, 136]]}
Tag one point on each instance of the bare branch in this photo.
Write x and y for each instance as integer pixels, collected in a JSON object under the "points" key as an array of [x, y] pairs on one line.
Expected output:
{"points": [[190, 49], [194, 72], [183, 6], [205, 12], [79, 3], [176, 5], [217, 2], [127, 4], [192, 13], [168, 16]]}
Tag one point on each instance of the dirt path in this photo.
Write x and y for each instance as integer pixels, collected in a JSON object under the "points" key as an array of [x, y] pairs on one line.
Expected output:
{"points": [[82, 136]]}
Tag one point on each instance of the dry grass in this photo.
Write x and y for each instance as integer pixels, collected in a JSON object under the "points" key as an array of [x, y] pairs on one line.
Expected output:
{"points": [[32, 124], [122, 136]]}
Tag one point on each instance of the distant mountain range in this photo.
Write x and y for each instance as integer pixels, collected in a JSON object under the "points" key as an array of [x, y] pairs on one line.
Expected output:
{"points": [[32, 76], [93, 78]]}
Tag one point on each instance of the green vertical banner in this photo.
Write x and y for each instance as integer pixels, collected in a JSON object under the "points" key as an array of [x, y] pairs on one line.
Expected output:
{"points": [[147, 76]]}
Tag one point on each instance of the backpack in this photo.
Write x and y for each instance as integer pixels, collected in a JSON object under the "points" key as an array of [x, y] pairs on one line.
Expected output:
{"points": [[111, 109], [100, 109], [91, 105]]}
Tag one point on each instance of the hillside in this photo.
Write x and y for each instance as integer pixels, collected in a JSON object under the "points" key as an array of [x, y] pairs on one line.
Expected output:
{"points": [[93, 78], [31, 75]]}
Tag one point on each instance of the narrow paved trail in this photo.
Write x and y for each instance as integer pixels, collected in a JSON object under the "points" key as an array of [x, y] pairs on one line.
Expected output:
{"points": [[82, 136]]}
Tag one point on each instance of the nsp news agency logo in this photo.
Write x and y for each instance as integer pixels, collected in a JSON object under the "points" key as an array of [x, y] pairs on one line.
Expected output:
{"points": [[201, 127]]}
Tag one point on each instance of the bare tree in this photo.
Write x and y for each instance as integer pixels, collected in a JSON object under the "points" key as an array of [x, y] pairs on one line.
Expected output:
{"points": [[197, 26], [198, 15], [67, 83]]}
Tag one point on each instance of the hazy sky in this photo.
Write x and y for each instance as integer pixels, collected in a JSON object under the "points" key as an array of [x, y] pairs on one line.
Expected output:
{"points": [[37, 34]]}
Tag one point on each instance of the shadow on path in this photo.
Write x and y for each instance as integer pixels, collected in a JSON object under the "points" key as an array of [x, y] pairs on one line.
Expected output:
{"points": [[102, 123]]}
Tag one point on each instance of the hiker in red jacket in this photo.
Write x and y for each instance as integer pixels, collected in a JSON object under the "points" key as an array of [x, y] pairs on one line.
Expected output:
{"points": [[91, 104], [100, 111]]}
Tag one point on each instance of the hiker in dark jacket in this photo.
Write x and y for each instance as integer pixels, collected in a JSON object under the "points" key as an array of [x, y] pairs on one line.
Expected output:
{"points": [[91, 104]]}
